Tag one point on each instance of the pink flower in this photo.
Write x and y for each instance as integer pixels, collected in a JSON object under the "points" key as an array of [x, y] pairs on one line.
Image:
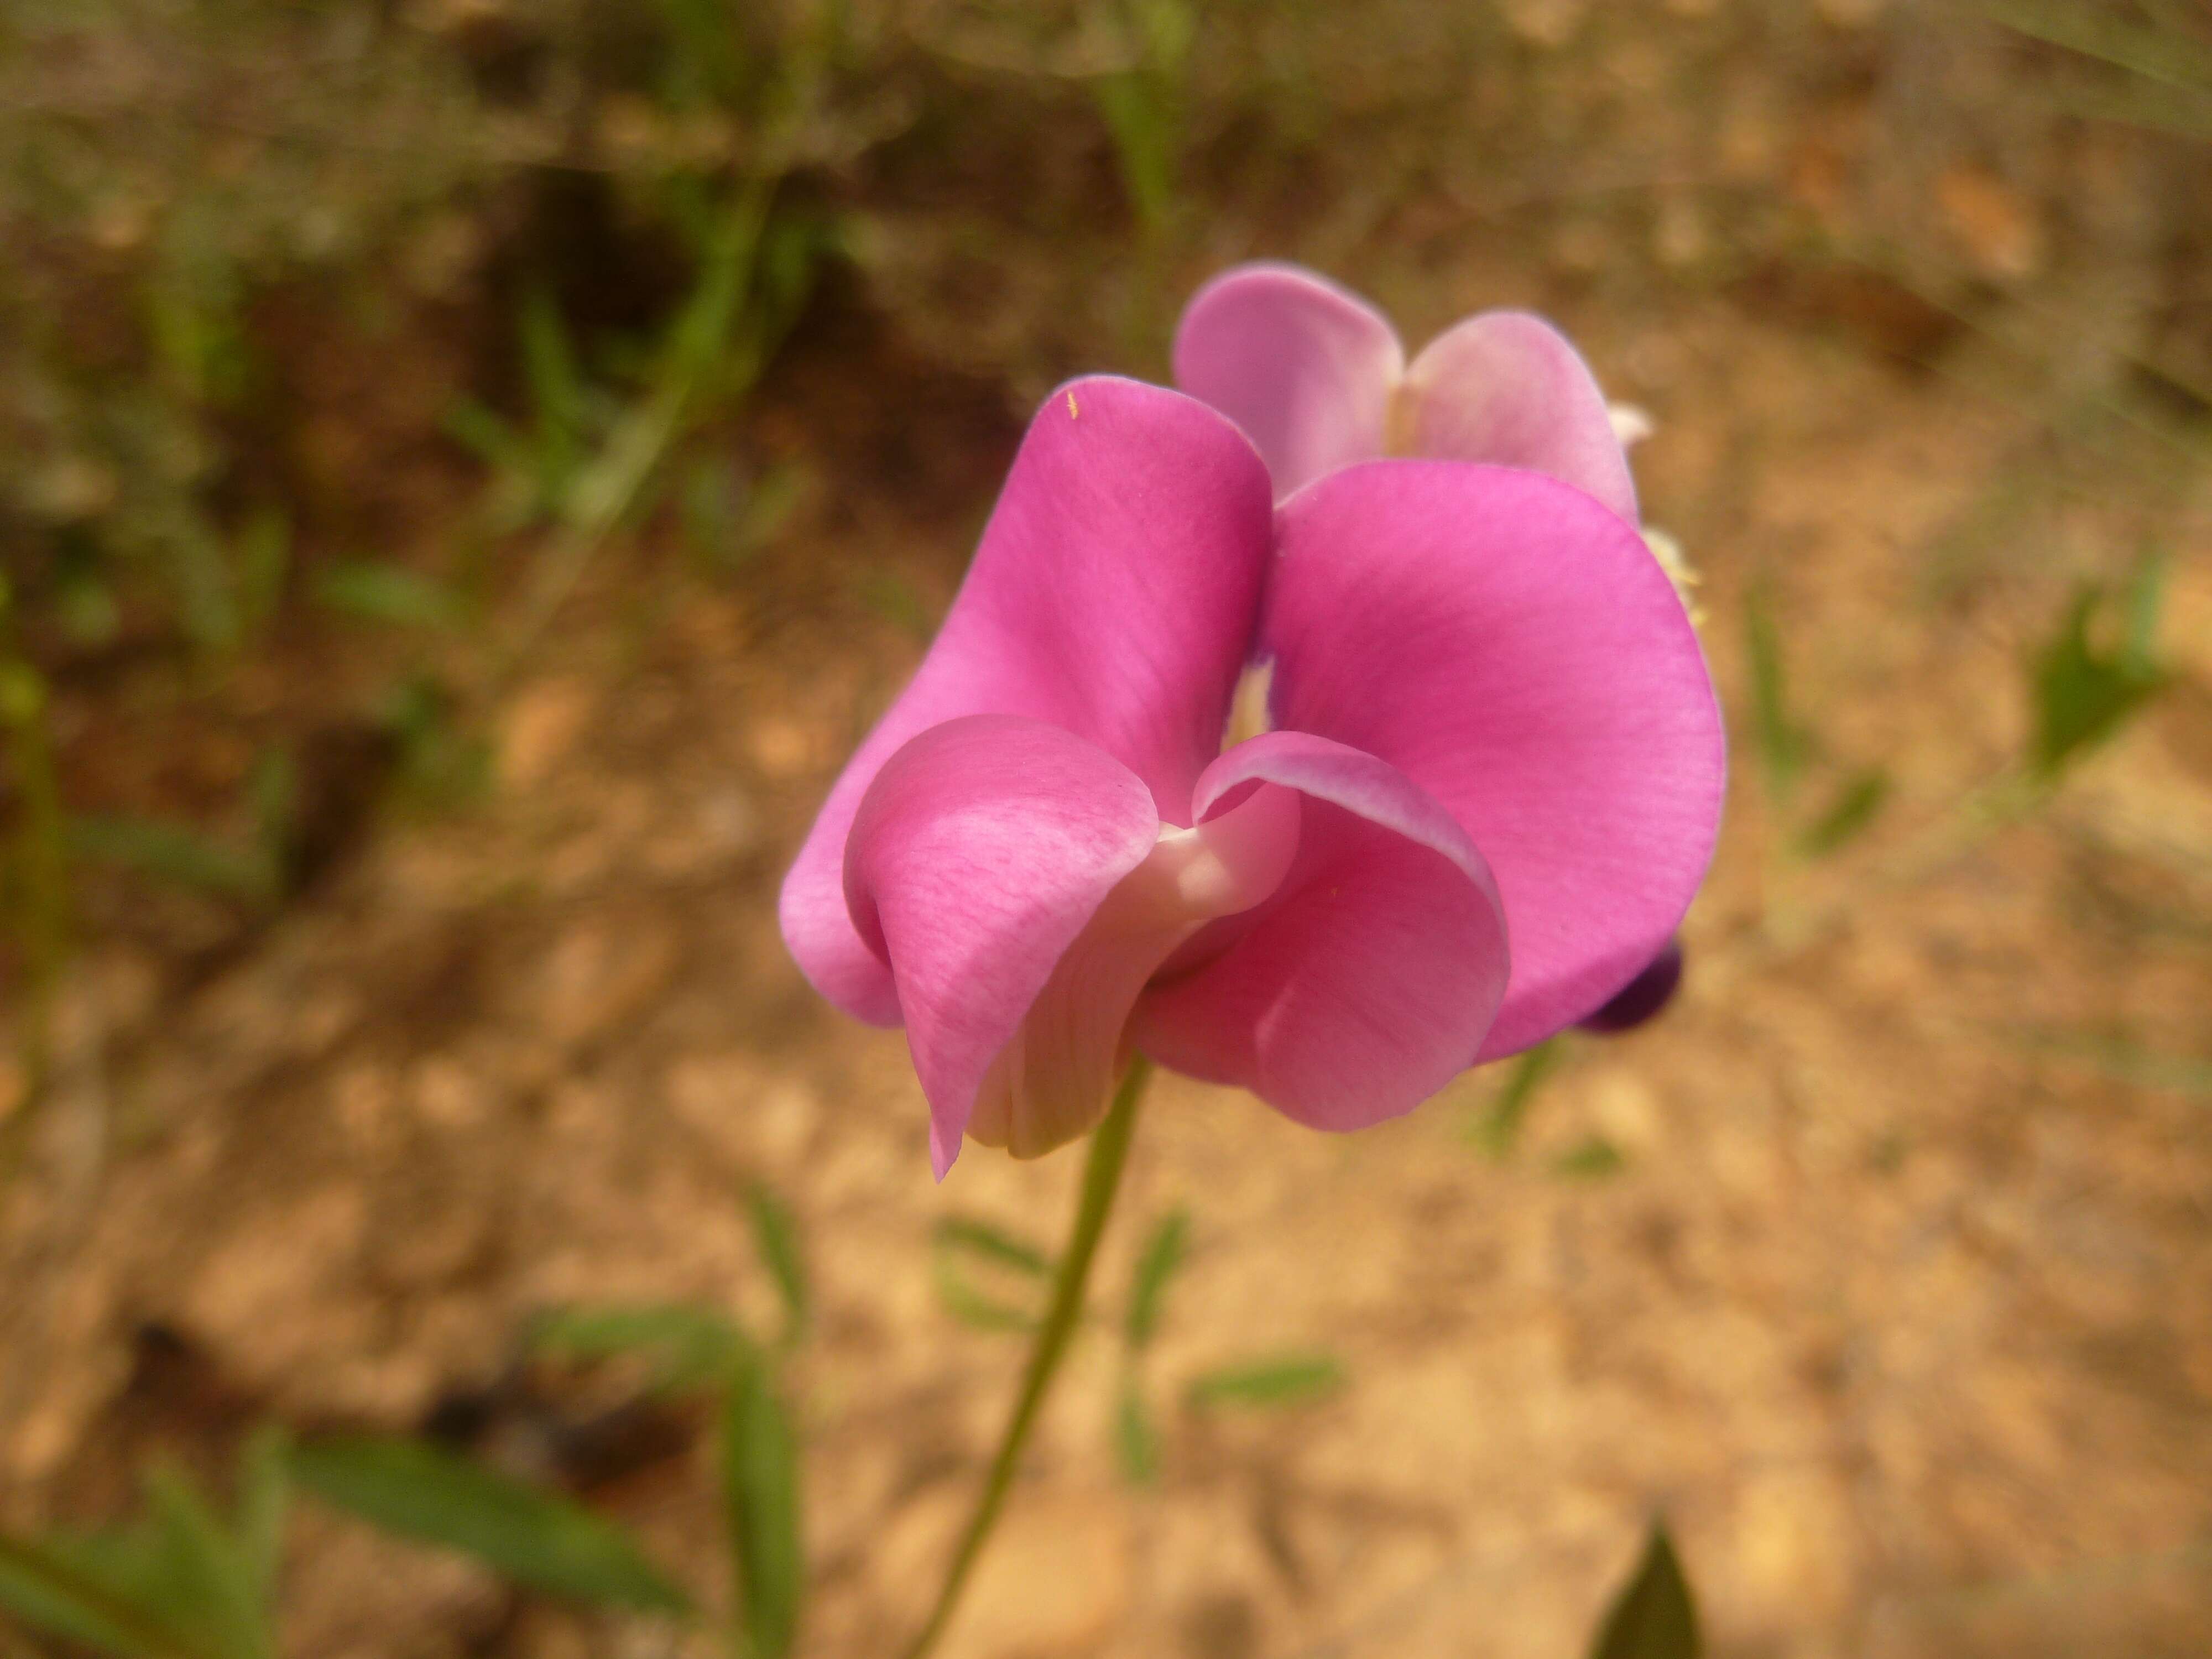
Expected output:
{"points": [[1317, 379], [1492, 788]]}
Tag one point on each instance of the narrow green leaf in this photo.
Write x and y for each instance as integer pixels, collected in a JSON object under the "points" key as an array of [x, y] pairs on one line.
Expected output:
{"points": [[172, 852], [893, 598], [1497, 1126], [207, 597], [443, 758], [216, 1587], [2084, 690], [549, 363], [687, 1346], [273, 788], [264, 1494], [1139, 114], [1287, 1380], [1156, 1264], [1654, 1616], [776, 1232], [88, 609], [697, 339], [761, 1496], [2165, 55], [1136, 1440], [993, 1245], [1592, 1159], [265, 558], [707, 502], [2123, 1058], [1856, 805], [971, 1307], [2146, 600], [2183, 112], [493, 441], [416, 1490], [176, 1580], [380, 591], [957, 1243], [556, 390], [58, 1596], [773, 496], [1785, 746], [729, 517]]}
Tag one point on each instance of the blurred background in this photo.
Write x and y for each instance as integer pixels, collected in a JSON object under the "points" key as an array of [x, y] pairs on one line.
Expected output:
{"points": [[470, 469]]}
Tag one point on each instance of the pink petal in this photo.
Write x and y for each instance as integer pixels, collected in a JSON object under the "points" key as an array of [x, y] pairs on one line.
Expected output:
{"points": [[1506, 387], [1367, 982], [980, 851], [1113, 595], [1305, 367], [1051, 1082], [1514, 648]]}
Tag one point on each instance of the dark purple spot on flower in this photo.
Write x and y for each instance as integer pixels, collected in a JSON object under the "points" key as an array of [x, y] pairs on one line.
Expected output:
{"points": [[1643, 996]]}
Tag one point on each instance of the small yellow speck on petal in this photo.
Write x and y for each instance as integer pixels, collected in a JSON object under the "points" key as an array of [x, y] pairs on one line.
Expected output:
{"points": [[1071, 414]]}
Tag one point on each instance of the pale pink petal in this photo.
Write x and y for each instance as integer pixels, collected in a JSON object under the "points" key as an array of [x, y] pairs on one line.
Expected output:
{"points": [[1508, 388], [1113, 595], [979, 854], [1512, 646], [1367, 981], [1305, 367]]}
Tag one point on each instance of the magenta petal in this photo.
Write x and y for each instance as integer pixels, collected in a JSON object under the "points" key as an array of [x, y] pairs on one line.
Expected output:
{"points": [[1113, 595], [1367, 982], [1306, 368], [1514, 648], [1508, 388], [981, 850]]}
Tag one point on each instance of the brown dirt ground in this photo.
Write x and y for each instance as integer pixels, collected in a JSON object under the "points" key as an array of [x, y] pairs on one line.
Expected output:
{"points": [[1901, 1308]]}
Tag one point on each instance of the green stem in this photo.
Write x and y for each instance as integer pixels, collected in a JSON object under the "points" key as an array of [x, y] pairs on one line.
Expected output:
{"points": [[1102, 1179]]}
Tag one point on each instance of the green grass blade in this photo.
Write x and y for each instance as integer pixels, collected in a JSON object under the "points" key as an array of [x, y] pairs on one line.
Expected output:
{"points": [[2084, 691], [375, 590], [1136, 1439], [418, 1491], [687, 1346], [215, 1586], [775, 1234], [1591, 1159], [556, 391], [171, 852], [265, 1496], [60, 1598], [1784, 745], [1282, 1380], [761, 1499], [2165, 55], [957, 1243], [1849, 816], [1496, 1129], [993, 1245], [1157, 1263]]}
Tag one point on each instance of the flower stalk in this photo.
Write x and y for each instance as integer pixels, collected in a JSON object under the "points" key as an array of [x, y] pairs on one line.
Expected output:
{"points": [[1102, 1181]]}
